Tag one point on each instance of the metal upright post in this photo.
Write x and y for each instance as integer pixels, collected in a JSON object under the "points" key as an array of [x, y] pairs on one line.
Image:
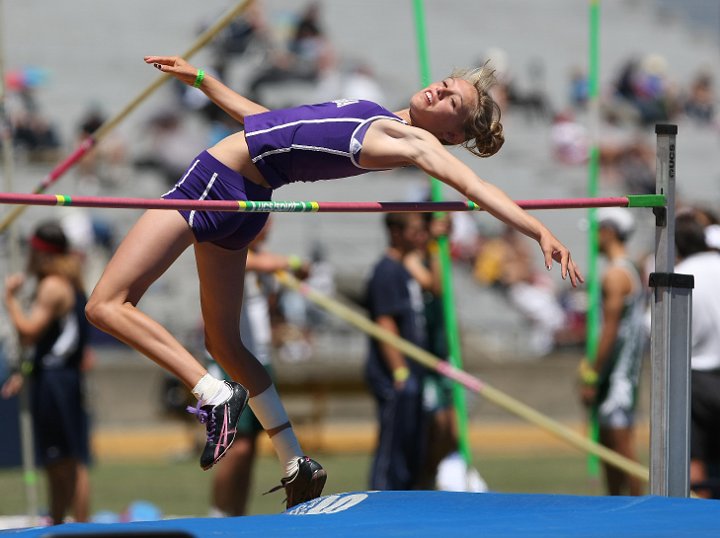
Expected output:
{"points": [[670, 348]]}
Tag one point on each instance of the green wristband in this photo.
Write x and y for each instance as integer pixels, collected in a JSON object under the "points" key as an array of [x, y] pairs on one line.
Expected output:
{"points": [[26, 368], [401, 374], [294, 262], [588, 375], [199, 78]]}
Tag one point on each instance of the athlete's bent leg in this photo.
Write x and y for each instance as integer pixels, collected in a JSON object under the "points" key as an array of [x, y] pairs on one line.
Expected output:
{"points": [[151, 246], [222, 277]]}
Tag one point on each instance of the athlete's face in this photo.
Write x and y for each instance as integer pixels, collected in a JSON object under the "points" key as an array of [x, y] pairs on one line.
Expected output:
{"points": [[409, 237], [442, 107], [606, 235]]}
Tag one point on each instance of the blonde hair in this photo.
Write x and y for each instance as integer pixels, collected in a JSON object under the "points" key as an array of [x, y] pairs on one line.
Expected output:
{"points": [[483, 130]]}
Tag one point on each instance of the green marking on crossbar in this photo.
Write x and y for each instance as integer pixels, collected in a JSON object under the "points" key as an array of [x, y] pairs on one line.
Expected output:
{"points": [[282, 207], [473, 206], [646, 200]]}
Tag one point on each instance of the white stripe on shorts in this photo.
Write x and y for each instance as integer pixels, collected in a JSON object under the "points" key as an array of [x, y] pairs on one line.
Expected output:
{"points": [[189, 171], [204, 195]]}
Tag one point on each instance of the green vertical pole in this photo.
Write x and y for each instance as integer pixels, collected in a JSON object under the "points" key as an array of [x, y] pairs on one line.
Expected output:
{"points": [[449, 311], [593, 312]]}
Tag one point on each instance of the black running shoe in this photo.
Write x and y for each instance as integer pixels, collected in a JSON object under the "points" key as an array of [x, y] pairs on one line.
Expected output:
{"points": [[305, 484], [220, 421]]}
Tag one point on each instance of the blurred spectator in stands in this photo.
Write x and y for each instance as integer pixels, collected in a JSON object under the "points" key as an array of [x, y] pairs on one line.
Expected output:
{"points": [[609, 384], [464, 237], [700, 102], [656, 98], [506, 263], [55, 325], [497, 59], [104, 164], [321, 277], [569, 139], [167, 138], [309, 53], [442, 436], [697, 259], [423, 264], [296, 319], [353, 79], [32, 132], [35, 135], [394, 301], [709, 220], [532, 100], [644, 93], [579, 91], [635, 166], [245, 33]]}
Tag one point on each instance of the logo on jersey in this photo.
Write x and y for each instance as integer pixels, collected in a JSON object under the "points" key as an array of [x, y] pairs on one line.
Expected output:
{"points": [[345, 102]]}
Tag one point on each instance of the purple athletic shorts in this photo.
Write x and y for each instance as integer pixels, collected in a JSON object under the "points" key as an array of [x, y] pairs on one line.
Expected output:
{"points": [[209, 179]]}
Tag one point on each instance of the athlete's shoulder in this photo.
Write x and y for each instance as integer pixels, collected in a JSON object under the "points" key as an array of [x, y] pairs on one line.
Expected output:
{"points": [[358, 107], [56, 292]]}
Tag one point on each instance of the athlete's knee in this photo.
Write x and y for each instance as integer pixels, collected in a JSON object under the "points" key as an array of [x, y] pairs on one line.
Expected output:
{"points": [[224, 345], [99, 312]]}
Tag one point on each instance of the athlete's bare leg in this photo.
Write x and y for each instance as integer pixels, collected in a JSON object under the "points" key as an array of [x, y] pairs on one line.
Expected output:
{"points": [[222, 277], [151, 246]]}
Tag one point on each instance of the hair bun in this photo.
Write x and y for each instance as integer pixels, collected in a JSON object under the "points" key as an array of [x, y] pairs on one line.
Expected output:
{"points": [[497, 137]]}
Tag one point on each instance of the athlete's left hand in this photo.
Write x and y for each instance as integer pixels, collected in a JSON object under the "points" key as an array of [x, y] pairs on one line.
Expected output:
{"points": [[175, 66], [555, 250]]}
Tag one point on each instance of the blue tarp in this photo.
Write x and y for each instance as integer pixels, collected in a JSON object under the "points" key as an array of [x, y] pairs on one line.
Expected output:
{"points": [[438, 514]]}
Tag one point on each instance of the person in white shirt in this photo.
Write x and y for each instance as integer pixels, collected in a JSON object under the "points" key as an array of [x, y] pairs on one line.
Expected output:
{"points": [[697, 259]]}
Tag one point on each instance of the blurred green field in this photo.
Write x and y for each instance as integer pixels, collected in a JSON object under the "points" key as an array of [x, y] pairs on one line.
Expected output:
{"points": [[180, 488]]}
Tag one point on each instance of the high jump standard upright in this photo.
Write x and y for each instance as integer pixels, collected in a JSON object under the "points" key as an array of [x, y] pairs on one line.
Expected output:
{"points": [[670, 342]]}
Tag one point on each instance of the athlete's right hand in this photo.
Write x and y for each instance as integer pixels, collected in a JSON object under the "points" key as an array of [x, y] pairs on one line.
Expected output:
{"points": [[12, 386], [175, 66], [13, 283]]}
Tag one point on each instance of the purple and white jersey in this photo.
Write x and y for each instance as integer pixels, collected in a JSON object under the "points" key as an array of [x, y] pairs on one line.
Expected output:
{"points": [[311, 142]]}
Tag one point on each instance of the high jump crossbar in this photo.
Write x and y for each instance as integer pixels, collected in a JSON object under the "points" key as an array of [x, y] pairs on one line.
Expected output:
{"points": [[652, 200]]}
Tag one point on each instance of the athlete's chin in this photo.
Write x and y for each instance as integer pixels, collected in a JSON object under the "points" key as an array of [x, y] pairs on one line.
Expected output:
{"points": [[418, 102]]}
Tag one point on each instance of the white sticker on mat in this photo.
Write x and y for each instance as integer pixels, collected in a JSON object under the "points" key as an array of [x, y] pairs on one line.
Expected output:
{"points": [[331, 504]]}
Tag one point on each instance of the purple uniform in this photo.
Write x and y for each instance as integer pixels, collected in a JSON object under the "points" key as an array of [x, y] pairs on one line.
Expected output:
{"points": [[306, 143], [209, 179], [311, 142]]}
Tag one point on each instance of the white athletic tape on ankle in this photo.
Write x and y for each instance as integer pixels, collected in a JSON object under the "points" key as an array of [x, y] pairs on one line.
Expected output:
{"points": [[210, 390]]}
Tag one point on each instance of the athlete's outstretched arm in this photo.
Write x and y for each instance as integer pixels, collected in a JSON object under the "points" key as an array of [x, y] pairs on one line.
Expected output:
{"points": [[390, 144], [230, 101]]}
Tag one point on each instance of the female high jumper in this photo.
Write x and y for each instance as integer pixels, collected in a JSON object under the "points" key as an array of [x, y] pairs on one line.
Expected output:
{"points": [[306, 143]]}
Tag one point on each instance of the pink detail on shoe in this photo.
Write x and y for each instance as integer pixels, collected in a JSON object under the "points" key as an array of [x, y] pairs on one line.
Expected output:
{"points": [[222, 442]]}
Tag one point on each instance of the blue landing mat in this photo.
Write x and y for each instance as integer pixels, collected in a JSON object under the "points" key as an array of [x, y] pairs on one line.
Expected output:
{"points": [[437, 514]]}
